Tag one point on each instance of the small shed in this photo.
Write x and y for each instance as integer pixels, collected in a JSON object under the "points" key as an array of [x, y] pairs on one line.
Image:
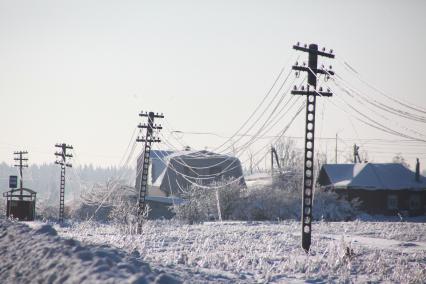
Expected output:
{"points": [[383, 188], [20, 204]]}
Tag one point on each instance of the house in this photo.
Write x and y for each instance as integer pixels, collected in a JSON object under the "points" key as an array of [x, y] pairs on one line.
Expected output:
{"points": [[172, 173], [383, 188], [160, 207]]}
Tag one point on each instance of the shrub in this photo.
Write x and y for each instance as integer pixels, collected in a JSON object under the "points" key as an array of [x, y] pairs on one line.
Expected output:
{"points": [[231, 202], [218, 202]]}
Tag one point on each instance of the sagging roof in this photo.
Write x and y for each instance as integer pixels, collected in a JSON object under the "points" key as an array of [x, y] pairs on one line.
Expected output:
{"points": [[370, 176], [172, 172], [158, 158], [204, 157]]}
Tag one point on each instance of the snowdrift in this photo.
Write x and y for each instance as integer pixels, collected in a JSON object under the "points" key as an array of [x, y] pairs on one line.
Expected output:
{"points": [[40, 256]]}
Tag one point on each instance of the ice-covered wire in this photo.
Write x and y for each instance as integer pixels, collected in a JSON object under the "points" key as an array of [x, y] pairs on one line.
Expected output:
{"points": [[373, 123], [348, 67], [228, 168], [378, 104], [258, 107]]}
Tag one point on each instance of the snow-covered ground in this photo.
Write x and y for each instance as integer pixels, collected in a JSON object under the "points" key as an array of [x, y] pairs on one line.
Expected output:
{"points": [[38, 255], [225, 252], [244, 252]]}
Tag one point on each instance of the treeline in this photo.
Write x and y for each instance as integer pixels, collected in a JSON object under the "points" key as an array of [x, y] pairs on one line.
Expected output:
{"points": [[45, 178]]}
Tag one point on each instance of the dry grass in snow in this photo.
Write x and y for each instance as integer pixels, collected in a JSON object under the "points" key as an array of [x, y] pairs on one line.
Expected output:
{"points": [[270, 252]]}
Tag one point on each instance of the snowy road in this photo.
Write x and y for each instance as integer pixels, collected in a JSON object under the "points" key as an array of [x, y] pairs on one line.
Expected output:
{"points": [[384, 244]]}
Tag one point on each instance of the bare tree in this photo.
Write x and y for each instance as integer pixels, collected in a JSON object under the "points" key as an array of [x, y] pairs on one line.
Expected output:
{"points": [[398, 158], [291, 162], [113, 202]]}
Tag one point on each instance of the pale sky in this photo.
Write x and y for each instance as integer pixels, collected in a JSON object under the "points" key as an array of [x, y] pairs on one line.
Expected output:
{"points": [[81, 71]]}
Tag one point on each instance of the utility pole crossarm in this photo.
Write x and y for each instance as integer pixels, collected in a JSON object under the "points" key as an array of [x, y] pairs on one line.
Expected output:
{"points": [[148, 114], [314, 51], [152, 126], [139, 139], [312, 93], [315, 71]]}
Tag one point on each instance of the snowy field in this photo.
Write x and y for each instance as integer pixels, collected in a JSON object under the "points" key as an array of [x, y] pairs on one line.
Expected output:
{"points": [[241, 252], [41, 256]]}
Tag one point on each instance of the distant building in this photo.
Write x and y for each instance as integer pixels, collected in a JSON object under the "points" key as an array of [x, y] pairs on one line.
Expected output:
{"points": [[171, 173], [20, 204], [383, 188]]}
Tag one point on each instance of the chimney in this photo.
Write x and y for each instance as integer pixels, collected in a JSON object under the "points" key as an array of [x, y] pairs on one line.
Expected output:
{"points": [[417, 170]]}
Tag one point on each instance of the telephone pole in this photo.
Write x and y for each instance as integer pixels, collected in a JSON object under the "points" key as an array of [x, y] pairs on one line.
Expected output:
{"points": [[311, 93], [274, 154], [148, 140], [62, 161], [356, 154], [22, 163]]}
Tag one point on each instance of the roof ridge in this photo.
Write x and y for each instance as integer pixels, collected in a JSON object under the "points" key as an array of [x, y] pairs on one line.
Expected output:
{"points": [[382, 184]]}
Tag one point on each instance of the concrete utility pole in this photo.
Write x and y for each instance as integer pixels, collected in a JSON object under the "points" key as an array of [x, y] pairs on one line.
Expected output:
{"points": [[62, 161], [311, 93], [148, 139], [22, 163]]}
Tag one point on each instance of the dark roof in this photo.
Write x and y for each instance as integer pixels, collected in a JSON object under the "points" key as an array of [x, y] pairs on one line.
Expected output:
{"points": [[160, 154], [372, 176]]}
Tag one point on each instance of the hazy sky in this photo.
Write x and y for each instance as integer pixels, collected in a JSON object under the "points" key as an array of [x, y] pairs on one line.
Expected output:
{"points": [[80, 71]]}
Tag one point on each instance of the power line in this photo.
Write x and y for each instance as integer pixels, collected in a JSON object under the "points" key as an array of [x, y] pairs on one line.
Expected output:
{"points": [[374, 124], [254, 138], [376, 113], [348, 67], [240, 151], [375, 103], [194, 183], [262, 114]]}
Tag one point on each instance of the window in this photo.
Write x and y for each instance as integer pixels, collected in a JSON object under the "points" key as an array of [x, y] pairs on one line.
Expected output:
{"points": [[414, 202], [392, 202]]}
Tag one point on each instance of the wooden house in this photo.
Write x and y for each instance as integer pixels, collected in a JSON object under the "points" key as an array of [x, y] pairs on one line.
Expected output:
{"points": [[383, 188]]}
